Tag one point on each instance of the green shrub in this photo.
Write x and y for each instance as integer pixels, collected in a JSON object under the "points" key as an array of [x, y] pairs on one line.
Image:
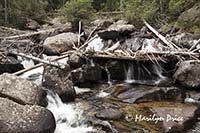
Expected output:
{"points": [[79, 10], [136, 10]]}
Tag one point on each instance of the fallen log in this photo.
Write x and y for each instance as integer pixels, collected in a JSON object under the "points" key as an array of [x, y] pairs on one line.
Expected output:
{"points": [[140, 55], [56, 64], [39, 65]]}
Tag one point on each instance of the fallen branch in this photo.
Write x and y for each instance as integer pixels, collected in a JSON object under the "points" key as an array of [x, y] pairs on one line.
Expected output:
{"points": [[56, 64], [195, 44], [38, 65], [161, 37], [140, 55]]}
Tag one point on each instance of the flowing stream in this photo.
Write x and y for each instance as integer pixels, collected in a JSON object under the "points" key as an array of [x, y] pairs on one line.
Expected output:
{"points": [[68, 116]]}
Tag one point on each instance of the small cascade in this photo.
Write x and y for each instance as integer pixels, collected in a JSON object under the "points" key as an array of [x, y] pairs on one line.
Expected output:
{"points": [[158, 71], [27, 63], [34, 75], [68, 116], [108, 76], [92, 63], [130, 74], [142, 73]]}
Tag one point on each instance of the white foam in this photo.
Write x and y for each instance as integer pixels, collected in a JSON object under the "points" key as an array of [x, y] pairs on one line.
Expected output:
{"points": [[68, 116], [103, 94], [96, 45]]}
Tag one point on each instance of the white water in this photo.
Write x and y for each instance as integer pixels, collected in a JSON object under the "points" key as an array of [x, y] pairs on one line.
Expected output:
{"points": [[27, 63], [96, 45], [68, 117], [102, 94], [157, 69], [81, 90], [130, 74]]}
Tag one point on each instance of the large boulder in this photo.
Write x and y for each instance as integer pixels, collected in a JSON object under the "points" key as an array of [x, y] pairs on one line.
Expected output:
{"points": [[58, 80], [25, 118], [21, 90], [188, 74], [60, 43], [116, 30]]}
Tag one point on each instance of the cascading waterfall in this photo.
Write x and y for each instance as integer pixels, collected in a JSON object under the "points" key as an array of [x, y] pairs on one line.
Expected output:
{"points": [[108, 76], [130, 74], [142, 75], [68, 116]]}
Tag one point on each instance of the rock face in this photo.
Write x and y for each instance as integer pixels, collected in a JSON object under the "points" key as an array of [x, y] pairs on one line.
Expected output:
{"points": [[116, 30], [87, 74], [188, 74], [140, 94], [21, 90], [58, 80], [116, 70], [60, 43], [25, 119]]}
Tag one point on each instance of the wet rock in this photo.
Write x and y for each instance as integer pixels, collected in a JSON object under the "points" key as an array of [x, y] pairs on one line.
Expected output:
{"points": [[104, 125], [75, 61], [59, 81], [60, 43], [21, 91], [188, 74], [116, 70], [163, 117], [195, 96], [109, 114], [87, 73], [25, 118], [140, 94], [116, 30], [9, 64], [177, 119]]}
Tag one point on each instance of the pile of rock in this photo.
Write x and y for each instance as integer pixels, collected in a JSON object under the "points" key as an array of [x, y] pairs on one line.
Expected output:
{"points": [[22, 107]]}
